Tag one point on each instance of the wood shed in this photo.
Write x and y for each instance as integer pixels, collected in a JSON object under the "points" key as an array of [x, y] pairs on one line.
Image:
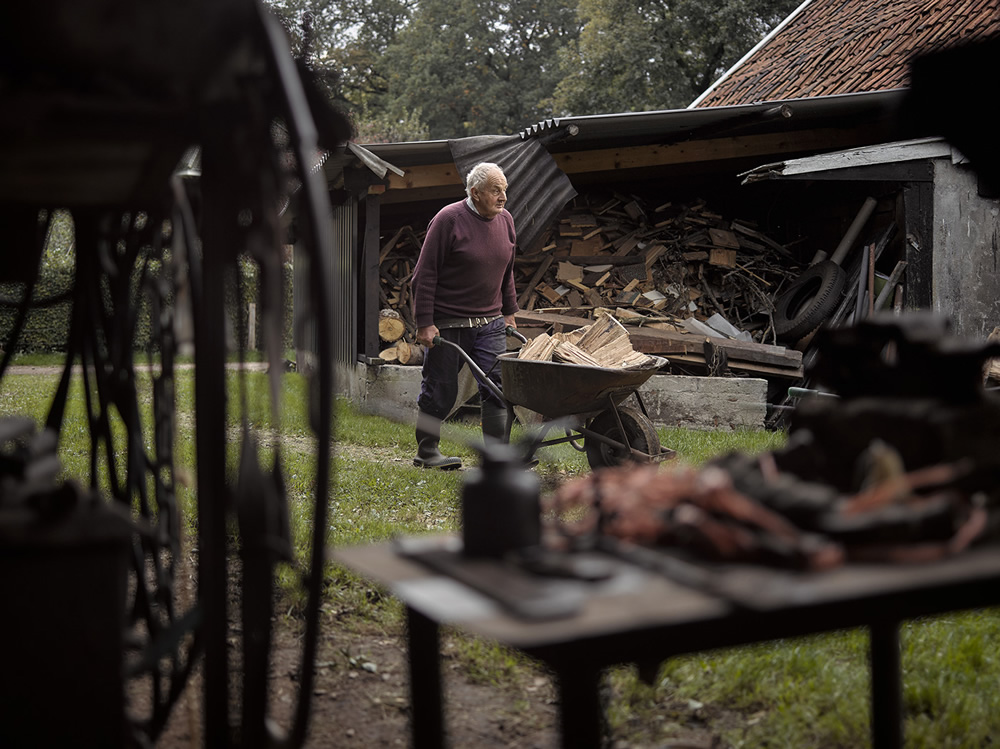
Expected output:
{"points": [[657, 224]]}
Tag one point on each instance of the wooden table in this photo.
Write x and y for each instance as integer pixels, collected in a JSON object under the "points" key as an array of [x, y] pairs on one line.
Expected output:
{"points": [[641, 616]]}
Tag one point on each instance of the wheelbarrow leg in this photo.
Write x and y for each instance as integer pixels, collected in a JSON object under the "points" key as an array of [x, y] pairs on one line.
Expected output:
{"points": [[621, 427], [642, 406]]}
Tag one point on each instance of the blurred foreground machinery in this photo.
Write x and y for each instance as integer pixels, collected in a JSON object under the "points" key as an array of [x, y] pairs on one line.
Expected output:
{"points": [[99, 102]]}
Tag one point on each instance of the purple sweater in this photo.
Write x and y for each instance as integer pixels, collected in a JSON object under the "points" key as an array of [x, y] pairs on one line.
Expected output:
{"points": [[466, 267]]}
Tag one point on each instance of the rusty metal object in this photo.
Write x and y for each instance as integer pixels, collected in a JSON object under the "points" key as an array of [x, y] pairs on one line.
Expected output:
{"points": [[901, 467]]}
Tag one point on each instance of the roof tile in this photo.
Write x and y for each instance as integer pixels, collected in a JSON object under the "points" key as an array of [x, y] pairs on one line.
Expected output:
{"points": [[852, 46]]}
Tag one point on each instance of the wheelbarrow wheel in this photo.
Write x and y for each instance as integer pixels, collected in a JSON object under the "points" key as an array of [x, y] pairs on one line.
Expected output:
{"points": [[635, 431]]}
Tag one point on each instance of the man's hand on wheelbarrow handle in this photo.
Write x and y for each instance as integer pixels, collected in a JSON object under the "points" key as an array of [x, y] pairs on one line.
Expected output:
{"points": [[511, 331]]}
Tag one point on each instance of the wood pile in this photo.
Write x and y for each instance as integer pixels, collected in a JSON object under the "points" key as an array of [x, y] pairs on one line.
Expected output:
{"points": [[396, 262], [669, 266], [392, 328], [604, 343], [679, 261], [682, 347]]}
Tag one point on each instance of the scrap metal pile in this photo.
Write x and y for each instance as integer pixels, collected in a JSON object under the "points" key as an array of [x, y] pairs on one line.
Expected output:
{"points": [[902, 467]]}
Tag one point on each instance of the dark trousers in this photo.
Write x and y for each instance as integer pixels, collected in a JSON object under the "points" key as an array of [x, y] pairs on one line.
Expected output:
{"points": [[439, 386]]}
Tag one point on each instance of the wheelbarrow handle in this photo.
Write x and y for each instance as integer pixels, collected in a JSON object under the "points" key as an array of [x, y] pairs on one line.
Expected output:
{"points": [[512, 331], [476, 369]]}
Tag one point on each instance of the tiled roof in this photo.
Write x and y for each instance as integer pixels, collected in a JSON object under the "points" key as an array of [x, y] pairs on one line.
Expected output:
{"points": [[850, 46]]}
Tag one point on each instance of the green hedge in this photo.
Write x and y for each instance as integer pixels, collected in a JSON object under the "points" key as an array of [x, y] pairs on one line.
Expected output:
{"points": [[46, 328]]}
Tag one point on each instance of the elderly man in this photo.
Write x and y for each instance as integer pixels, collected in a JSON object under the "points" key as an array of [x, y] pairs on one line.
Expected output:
{"points": [[463, 291]]}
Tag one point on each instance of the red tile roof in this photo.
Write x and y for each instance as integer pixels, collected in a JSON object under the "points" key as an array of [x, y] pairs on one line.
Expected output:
{"points": [[849, 46]]}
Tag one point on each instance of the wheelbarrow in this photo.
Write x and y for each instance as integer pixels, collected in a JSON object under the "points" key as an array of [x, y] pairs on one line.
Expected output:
{"points": [[584, 401]]}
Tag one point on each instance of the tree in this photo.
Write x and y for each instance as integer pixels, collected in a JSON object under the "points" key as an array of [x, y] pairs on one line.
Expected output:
{"points": [[640, 55], [344, 43], [479, 66]]}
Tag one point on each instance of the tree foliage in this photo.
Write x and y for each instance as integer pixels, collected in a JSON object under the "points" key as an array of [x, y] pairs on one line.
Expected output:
{"points": [[345, 42], [413, 69], [637, 55], [480, 66]]}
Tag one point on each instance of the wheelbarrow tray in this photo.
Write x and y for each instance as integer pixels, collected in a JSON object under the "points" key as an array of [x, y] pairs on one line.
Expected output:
{"points": [[556, 389]]}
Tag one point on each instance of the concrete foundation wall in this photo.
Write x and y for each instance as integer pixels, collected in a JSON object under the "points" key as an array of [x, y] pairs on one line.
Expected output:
{"points": [[705, 403]]}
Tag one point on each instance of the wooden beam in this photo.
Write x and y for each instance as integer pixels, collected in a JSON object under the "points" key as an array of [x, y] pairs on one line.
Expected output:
{"points": [[436, 180], [771, 144], [425, 175]]}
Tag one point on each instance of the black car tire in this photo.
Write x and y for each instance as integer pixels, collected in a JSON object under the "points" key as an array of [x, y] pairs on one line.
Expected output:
{"points": [[809, 301]]}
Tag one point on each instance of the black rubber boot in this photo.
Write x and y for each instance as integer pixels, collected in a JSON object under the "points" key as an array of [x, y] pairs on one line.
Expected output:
{"points": [[494, 417], [495, 426], [428, 455]]}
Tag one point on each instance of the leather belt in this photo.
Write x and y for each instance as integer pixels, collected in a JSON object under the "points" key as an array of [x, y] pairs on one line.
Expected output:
{"points": [[465, 322]]}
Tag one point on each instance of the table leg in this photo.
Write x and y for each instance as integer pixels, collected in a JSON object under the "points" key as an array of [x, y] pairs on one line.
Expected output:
{"points": [[427, 722], [581, 715], [887, 686]]}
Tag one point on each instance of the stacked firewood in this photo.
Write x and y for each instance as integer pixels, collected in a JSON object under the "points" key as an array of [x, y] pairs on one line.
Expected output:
{"points": [[396, 328], [604, 343], [393, 329], [617, 252], [676, 260]]}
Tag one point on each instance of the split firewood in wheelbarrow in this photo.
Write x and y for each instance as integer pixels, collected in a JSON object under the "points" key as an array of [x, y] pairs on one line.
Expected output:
{"points": [[603, 343]]}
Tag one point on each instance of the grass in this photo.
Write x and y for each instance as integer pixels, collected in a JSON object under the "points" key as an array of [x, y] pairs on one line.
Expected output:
{"points": [[807, 692]]}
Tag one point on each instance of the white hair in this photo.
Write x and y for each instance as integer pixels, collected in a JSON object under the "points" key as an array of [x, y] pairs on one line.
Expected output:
{"points": [[479, 174]]}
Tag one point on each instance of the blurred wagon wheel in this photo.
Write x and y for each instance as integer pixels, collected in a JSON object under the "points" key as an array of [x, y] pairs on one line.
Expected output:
{"points": [[636, 431], [810, 300]]}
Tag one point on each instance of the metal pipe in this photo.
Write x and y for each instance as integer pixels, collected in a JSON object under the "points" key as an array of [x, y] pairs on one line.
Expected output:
{"points": [[854, 230], [794, 392]]}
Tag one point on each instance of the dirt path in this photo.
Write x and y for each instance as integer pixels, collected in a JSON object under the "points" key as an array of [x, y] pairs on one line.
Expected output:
{"points": [[361, 695]]}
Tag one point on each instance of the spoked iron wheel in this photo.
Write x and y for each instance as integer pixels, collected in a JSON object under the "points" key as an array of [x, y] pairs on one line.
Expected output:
{"points": [[635, 431]]}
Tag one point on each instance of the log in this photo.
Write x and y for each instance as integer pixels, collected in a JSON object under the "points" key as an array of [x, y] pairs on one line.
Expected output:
{"points": [[539, 348], [522, 300], [390, 325], [566, 351], [724, 238], [388, 354], [409, 354], [722, 257]]}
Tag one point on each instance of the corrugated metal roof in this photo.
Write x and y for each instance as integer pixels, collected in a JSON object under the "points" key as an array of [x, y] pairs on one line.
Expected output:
{"points": [[678, 125], [831, 47], [538, 188]]}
